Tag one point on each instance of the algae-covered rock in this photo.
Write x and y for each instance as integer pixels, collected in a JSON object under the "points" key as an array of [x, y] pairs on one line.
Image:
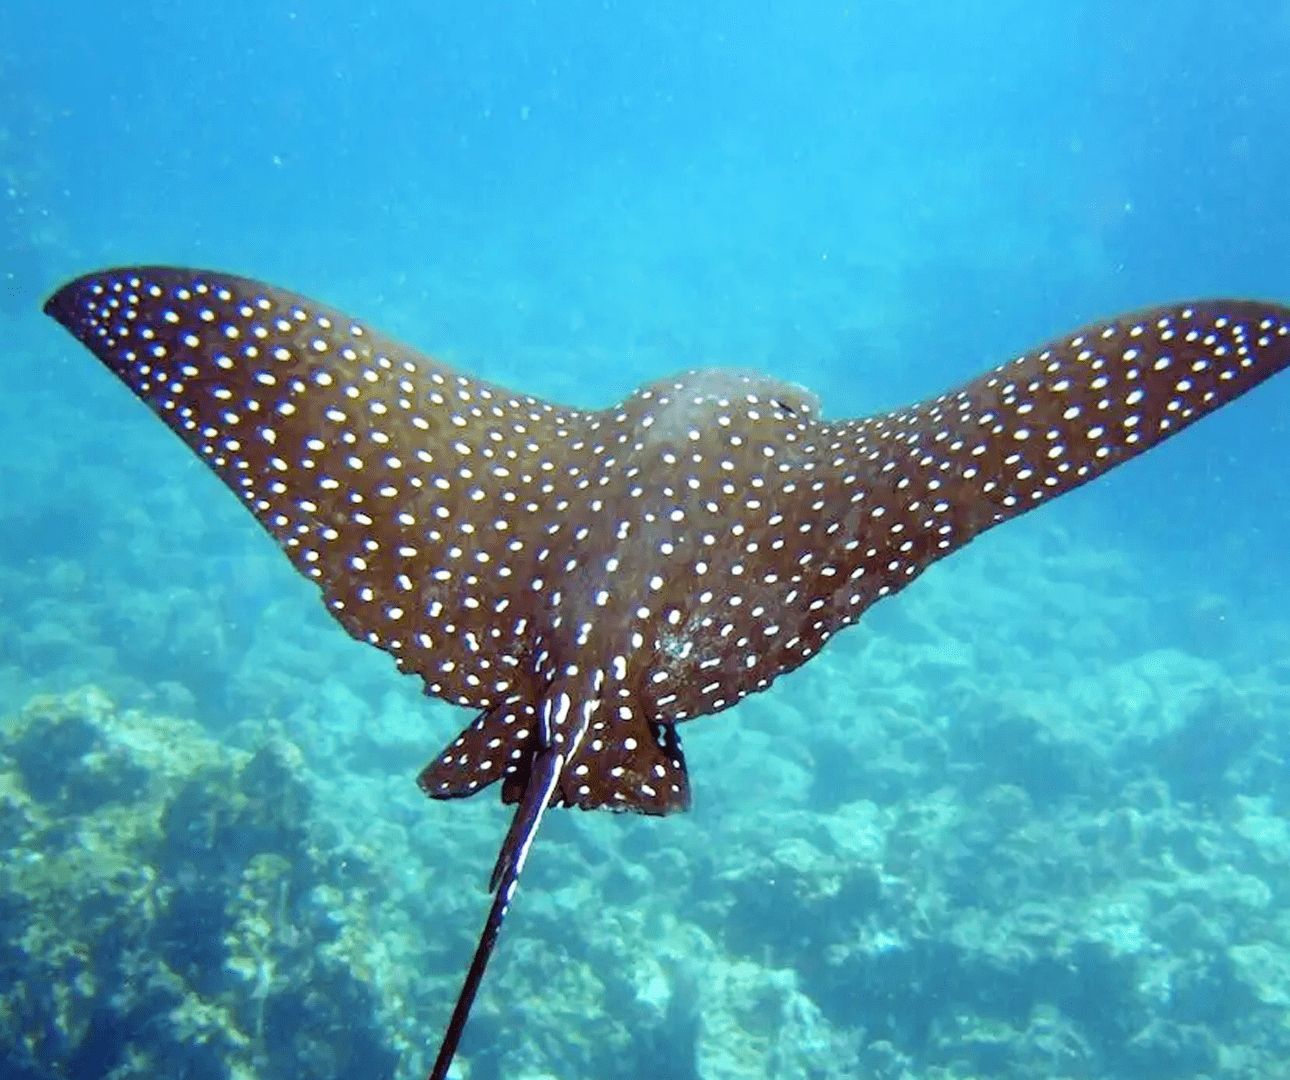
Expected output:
{"points": [[755, 1023], [170, 908]]}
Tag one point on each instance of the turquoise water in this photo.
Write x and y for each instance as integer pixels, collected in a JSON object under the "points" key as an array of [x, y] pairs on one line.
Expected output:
{"points": [[1028, 820]]}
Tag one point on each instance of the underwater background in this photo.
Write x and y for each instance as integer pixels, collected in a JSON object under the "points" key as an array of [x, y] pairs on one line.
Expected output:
{"points": [[1028, 820]]}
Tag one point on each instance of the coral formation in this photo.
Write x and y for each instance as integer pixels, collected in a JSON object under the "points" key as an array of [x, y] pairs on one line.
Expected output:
{"points": [[169, 908], [954, 852]]}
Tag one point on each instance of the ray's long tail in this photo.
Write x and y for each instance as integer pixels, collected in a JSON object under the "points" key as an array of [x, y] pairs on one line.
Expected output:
{"points": [[547, 767]]}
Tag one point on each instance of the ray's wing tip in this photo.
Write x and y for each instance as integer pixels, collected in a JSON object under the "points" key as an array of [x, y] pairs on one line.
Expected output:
{"points": [[69, 304], [58, 305], [62, 302]]}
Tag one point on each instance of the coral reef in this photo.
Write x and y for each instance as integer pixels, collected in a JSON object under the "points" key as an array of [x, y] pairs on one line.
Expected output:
{"points": [[966, 847], [171, 908]]}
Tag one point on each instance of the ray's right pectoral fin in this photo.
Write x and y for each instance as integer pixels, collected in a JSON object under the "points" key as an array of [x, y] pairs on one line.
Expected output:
{"points": [[1016, 437], [1069, 411]]}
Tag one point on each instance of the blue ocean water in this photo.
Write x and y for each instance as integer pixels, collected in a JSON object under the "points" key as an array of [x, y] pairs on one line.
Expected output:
{"points": [[1028, 820]]}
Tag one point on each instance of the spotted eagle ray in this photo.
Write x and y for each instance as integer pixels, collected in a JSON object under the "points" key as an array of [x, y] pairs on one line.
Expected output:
{"points": [[587, 580]]}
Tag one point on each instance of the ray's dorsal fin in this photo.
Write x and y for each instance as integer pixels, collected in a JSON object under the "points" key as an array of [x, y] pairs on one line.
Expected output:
{"points": [[587, 580]]}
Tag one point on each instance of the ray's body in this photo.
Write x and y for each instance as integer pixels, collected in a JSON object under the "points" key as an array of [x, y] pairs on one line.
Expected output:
{"points": [[587, 580]]}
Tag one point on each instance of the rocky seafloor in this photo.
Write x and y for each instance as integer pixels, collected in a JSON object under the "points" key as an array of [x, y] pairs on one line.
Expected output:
{"points": [[1048, 843]]}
